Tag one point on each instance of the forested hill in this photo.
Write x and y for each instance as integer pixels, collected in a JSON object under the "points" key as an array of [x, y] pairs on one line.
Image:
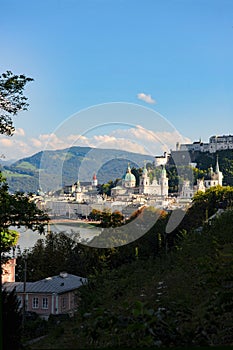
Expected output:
{"points": [[52, 169], [205, 160]]}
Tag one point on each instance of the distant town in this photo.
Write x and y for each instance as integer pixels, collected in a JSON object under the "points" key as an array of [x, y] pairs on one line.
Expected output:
{"points": [[77, 200]]}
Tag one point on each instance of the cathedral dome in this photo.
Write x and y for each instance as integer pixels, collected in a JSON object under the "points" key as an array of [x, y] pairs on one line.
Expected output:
{"points": [[129, 179]]}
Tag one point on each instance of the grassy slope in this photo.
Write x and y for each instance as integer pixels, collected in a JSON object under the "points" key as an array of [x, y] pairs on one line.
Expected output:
{"points": [[180, 299]]}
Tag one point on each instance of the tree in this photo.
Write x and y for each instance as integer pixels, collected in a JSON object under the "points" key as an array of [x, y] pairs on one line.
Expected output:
{"points": [[17, 210], [117, 218], [12, 99], [11, 321], [95, 214]]}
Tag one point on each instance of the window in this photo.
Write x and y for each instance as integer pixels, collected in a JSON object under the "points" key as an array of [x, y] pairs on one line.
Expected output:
{"points": [[63, 302], [20, 300], [35, 303], [45, 303]]}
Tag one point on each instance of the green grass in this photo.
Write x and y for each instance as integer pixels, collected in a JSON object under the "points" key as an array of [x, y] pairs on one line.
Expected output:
{"points": [[78, 224], [11, 174], [26, 166]]}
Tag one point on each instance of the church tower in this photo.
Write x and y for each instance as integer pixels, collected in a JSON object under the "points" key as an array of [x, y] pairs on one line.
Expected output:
{"points": [[94, 180], [164, 182], [215, 178], [144, 182], [218, 173]]}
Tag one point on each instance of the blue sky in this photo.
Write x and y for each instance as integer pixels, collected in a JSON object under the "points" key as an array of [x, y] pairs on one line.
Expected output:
{"points": [[177, 54]]}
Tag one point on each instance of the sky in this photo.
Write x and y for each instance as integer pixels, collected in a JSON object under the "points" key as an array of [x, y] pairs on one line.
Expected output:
{"points": [[130, 74]]}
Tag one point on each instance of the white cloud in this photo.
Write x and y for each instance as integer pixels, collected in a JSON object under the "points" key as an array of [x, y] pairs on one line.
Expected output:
{"points": [[135, 139], [155, 142], [109, 141], [36, 143], [146, 98], [19, 132], [6, 142]]}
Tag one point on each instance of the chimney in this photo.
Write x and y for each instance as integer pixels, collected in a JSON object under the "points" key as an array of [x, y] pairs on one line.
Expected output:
{"points": [[63, 274]]}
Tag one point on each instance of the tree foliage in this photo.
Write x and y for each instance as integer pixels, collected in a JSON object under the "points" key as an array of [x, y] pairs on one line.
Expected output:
{"points": [[12, 99], [17, 210], [11, 320]]}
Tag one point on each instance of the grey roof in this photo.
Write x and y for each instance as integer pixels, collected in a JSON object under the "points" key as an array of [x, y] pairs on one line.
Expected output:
{"points": [[55, 284]]}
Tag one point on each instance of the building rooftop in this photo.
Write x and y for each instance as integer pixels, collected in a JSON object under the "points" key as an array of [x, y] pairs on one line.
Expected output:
{"points": [[55, 284]]}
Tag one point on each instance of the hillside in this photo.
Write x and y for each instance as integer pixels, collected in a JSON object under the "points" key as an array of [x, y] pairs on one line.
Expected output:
{"points": [[205, 160], [50, 170], [178, 298]]}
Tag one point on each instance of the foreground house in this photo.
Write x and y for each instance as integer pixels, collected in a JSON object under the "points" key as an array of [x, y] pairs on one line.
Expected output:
{"points": [[8, 271], [52, 295]]}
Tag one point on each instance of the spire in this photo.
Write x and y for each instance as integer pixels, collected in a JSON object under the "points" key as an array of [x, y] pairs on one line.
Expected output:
{"points": [[211, 171], [145, 169], [78, 187], [217, 166], [164, 173]]}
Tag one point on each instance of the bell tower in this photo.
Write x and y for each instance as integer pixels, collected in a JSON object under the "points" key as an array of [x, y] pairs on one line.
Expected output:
{"points": [[94, 180], [164, 182], [144, 181]]}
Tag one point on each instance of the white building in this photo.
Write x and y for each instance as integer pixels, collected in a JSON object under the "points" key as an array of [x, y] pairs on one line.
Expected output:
{"points": [[146, 187], [216, 143], [156, 188], [214, 179], [161, 160]]}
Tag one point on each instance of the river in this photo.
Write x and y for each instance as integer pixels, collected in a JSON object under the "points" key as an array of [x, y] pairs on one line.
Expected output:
{"points": [[28, 238]]}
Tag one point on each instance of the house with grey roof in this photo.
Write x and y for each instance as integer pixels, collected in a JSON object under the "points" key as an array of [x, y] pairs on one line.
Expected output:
{"points": [[52, 295]]}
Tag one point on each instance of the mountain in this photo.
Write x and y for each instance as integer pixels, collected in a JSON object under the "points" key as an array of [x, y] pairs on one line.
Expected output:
{"points": [[50, 170], [7, 162]]}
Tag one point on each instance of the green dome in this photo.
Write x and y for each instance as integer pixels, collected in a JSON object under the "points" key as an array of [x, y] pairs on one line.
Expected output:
{"points": [[129, 177]]}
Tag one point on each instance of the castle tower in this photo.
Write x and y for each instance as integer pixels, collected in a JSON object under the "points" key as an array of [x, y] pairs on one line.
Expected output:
{"points": [[164, 182], [94, 180]]}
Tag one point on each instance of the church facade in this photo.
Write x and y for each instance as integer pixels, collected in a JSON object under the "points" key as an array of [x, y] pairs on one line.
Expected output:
{"points": [[146, 187], [215, 178]]}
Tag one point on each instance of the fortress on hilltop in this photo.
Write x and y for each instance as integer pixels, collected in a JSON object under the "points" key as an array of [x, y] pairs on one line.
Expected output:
{"points": [[216, 143]]}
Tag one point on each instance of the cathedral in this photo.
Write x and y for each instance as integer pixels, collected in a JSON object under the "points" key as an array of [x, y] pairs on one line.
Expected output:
{"points": [[146, 187]]}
